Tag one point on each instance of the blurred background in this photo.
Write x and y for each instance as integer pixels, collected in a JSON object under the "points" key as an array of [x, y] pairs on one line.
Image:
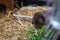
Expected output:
{"points": [[29, 20]]}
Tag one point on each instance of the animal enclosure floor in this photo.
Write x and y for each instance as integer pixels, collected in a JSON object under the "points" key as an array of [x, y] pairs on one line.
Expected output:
{"points": [[13, 29]]}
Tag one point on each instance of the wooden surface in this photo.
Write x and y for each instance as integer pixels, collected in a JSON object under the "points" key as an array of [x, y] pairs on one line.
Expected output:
{"points": [[8, 3]]}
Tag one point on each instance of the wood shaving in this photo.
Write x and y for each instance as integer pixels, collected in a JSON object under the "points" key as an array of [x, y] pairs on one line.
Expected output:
{"points": [[30, 12], [11, 28]]}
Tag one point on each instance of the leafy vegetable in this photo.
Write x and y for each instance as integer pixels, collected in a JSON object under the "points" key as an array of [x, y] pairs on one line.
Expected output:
{"points": [[40, 34]]}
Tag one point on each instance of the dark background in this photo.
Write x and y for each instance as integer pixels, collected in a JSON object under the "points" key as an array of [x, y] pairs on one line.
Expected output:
{"points": [[30, 2]]}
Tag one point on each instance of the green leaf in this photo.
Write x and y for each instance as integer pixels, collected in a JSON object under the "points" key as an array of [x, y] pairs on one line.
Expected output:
{"points": [[33, 37], [40, 33], [31, 30]]}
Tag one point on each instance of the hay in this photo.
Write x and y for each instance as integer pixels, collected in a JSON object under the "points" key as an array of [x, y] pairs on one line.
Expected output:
{"points": [[30, 11], [12, 29]]}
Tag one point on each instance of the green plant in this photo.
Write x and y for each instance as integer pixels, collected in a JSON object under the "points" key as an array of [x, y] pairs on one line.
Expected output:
{"points": [[32, 34], [41, 33], [37, 36]]}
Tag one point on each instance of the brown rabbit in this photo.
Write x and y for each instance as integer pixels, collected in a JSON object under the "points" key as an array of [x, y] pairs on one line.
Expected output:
{"points": [[38, 20]]}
